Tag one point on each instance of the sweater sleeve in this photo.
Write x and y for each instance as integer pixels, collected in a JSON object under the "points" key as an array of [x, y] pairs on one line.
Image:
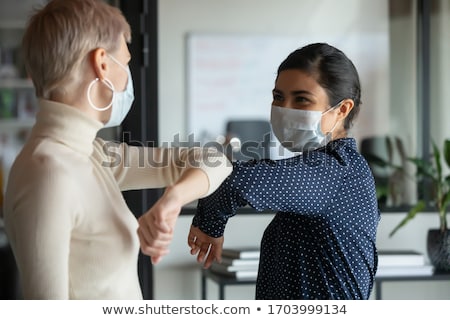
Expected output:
{"points": [[39, 218], [144, 167]]}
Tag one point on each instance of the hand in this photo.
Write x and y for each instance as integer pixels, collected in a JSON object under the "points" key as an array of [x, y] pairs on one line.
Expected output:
{"points": [[156, 227], [205, 247]]}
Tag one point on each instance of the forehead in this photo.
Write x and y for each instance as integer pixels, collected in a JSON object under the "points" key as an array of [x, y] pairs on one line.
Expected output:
{"points": [[122, 53], [292, 81], [123, 44], [296, 79]]}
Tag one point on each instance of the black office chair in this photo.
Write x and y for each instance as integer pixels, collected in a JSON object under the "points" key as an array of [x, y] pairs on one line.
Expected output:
{"points": [[248, 139]]}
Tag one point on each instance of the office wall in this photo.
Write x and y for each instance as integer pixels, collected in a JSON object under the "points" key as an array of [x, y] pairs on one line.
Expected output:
{"points": [[178, 275], [309, 20]]}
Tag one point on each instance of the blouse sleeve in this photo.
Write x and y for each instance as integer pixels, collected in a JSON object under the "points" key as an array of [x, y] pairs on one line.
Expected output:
{"points": [[247, 185], [299, 185]]}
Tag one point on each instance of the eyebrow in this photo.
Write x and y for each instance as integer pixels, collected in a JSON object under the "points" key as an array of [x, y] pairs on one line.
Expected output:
{"points": [[297, 92]]}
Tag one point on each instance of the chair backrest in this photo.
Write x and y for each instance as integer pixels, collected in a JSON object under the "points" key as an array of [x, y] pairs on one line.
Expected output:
{"points": [[248, 139]]}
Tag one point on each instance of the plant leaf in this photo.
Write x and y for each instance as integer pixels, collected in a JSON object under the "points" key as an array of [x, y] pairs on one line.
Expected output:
{"points": [[376, 160], [401, 149], [446, 200], [424, 168], [447, 152], [437, 161], [389, 149], [447, 180], [411, 214], [380, 162]]}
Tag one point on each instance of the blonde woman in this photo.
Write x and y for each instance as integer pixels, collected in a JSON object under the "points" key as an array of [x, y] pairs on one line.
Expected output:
{"points": [[72, 234]]}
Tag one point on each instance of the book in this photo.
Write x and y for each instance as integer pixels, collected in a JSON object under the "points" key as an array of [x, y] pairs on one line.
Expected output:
{"points": [[405, 271], [239, 274], [400, 258], [221, 267], [241, 253], [240, 262]]}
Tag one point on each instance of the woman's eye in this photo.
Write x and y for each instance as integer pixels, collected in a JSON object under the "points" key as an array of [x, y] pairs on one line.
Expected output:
{"points": [[301, 100], [277, 97]]}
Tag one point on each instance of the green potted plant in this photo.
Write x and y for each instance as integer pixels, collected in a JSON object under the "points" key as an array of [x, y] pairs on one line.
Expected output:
{"points": [[430, 173]]}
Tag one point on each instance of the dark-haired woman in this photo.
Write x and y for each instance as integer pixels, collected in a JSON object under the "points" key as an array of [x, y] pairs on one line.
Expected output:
{"points": [[321, 242]]}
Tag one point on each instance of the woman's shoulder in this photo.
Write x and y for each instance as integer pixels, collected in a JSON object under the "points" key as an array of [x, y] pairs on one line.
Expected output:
{"points": [[345, 144], [348, 151], [344, 151], [342, 146], [44, 158]]}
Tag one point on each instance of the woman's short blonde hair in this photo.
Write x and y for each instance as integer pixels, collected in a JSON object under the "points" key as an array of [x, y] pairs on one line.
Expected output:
{"points": [[60, 35]]}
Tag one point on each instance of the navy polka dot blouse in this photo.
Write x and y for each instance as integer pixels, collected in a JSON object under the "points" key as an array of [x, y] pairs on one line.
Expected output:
{"points": [[321, 242]]}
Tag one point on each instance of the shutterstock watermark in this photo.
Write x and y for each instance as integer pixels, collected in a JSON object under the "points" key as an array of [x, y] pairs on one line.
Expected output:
{"points": [[192, 152]]}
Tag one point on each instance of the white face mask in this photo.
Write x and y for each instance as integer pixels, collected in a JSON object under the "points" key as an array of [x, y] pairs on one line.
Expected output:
{"points": [[298, 130], [121, 101]]}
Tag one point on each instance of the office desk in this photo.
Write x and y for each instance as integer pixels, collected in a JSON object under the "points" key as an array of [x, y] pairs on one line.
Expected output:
{"points": [[380, 280], [223, 281], [191, 209]]}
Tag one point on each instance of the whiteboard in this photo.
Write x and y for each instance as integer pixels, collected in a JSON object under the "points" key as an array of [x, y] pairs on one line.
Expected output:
{"points": [[231, 76]]}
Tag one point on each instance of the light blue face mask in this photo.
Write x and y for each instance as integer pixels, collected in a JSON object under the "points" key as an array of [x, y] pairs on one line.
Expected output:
{"points": [[299, 130], [121, 101]]}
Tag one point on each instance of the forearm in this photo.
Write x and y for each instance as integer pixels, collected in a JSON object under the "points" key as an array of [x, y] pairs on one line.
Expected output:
{"points": [[142, 167], [157, 225], [193, 184]]}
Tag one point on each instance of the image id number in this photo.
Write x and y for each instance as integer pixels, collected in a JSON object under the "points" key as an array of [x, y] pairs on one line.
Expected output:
{"points": [[307, 309]]}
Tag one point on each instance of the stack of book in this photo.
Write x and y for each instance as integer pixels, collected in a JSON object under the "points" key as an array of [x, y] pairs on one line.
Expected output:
{"points": [[242, 263], [397, 263], [239, 263]]}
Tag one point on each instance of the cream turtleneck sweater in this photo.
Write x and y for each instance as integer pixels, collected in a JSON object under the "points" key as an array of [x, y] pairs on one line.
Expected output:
{"points": [[70, 229]]}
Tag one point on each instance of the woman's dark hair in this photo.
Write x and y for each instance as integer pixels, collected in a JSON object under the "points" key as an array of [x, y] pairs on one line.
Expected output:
{"points": [[332, 69]]}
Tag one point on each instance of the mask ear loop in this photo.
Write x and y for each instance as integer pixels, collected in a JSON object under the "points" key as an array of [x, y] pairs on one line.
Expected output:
{"points": [[109, 84], [329, 134]]}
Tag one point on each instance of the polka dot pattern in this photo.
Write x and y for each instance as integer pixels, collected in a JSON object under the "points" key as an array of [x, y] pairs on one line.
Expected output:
{"points": [[321, 242]]}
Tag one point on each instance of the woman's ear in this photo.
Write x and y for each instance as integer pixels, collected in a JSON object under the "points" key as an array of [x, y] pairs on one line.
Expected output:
{"points": [[345, 108], [99, 63]]}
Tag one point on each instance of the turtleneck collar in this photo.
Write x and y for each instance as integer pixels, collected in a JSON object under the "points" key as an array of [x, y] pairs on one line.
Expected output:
{"points": [[67, 125]]}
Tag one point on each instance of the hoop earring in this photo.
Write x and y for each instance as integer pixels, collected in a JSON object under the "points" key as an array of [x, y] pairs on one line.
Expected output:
{"points": [[109, 84]]}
